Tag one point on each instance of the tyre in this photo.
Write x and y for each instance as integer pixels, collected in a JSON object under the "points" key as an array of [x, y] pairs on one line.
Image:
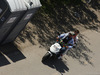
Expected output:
{"points": [[46, 56]]}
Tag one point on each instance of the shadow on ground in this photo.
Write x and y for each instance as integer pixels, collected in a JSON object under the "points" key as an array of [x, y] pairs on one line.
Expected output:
{"points": [[59, 65], [81, 52], [58, 17], [11, 52]]}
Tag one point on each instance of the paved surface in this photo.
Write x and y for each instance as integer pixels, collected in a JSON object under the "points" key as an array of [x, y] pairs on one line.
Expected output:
{"points": [[27, 61]]}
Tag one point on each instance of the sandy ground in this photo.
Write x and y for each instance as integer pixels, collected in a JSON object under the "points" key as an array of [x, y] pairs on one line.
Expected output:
{"points": [[30, 61]]}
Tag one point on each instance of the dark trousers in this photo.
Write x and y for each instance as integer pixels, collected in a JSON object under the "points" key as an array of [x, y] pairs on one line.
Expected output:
{"points": [[62, 50]]}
